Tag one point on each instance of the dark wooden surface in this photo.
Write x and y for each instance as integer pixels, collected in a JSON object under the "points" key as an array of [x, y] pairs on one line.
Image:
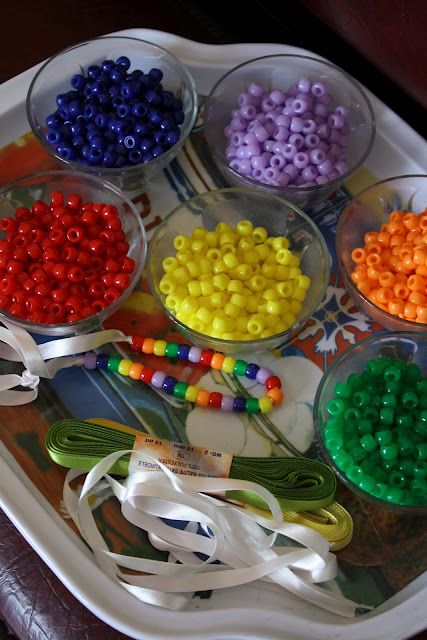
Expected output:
{"points": [[382, 44]]}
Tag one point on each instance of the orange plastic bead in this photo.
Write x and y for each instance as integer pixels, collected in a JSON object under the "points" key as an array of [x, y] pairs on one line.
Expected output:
{"points": [[410, 310], [373, 273], [384, 238], [423, 222], [408, 261], [417, 297], [420, 257], [421, 271], [135, 370], [395, 216], [217, 360], [422, 313], [370, 236], [396, 239], [396, 307], [373, 247], [364, 287], [416, 283], [396, 227], [384, 295], [358, 255], [400, 277], [401, 290], [410, 220], [386, 279], [202, 399], [358, 275], [373, 260], [276, 395], [148, 346]]}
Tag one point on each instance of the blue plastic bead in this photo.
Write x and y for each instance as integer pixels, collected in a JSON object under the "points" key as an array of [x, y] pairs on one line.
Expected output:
{"points": [[146, 157], [75, 108], [135, 156], [239, 404], [155, 117], [157, 151], [63, 111], [53, 121], [139, 109], [251, 371], [172, 137], [183, 351], [95, 156], [97, 142], [177, 104], [62, 98], [131, 142], [160, 138], [101, 360], [109, 159], [107, 66], [93, 71], [156, 74], [129, 90], [121, 161], [145, 145], [168, 384], [90, 111], [122, 127], [123, 62], [85, 152], [143, 129], [117, 76], [102, 120], [78, 142], [152, 97], [66, 152], [179, 117], [78, 82], [53, 136], [123, 110]]}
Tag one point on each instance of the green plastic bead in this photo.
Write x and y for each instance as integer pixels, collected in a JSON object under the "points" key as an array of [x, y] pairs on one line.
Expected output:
{"points": [[334, 442], [419, 487], [390, 465], [354, 381], [368, 443], [368, 465], [389, 451], [240, 367], [422, 401], [366, 483], [406, 466], [335, 407], [374, 367], [358, 453], [380, 475], [251, 405], [397, 479], [380, 490], [113, 363], [420, 427], [365, 426], [405, 446], [404, 420], [171, 350], [384, 437], [394, 494], [392, 374], [342, 390], [420, 469], [371, 413], [351, 443], [180, 389], [423, 415], [386, 415], [421, 386], [336, 422], [352, 415], [343, 460], [409, 400], [389, 400], [421, 451], [355, 473], [376, 402], [393, 387], [361, 398], [412, 373]]}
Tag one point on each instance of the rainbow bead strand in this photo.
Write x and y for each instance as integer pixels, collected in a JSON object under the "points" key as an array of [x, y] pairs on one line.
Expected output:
{"points": [[191, 393]]}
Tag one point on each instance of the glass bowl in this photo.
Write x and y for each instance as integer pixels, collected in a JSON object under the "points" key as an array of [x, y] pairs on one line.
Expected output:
{"points": [[54, 78], [280, 72], [25, 191], [407, 347], [367, 211], [278, 217]]}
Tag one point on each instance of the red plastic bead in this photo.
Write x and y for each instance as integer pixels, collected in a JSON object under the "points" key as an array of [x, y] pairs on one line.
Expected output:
{"points": [[108, 236], [38, 317], [58, 237], [8, 225], [113, 223], [20, 296], [50, 254], [206, 357], [70, 254], [108, 279], [39, 207], [15, 267], [21, 241], [25, 227], [8, 284], [37, 236], [83, 259], [59, 295], [96, 247], [96, 289], [78, 289], [75, 273], [34, 251], [109, 211], [74, 201], [67, 220], [90, 275], [89, 218], [98, 206], [19, 253], [273, 382], [111, 295], [215, 400], [5, 247], [122, 281], [75, 234], [42, 289], [122, 247], [18, 310], [94, 231], [57, 311], [35, 303], [57, 199], [120, 235], [4, 301], [99, 305], [22, 214], [146, 374], [39, 275], [28, 284], [111, 252], [60, 271], [96, 262], [72, 304], [86, 311], [136, 343]]}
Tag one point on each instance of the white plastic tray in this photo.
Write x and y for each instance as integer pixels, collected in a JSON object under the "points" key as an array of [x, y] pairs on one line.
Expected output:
{"points": [[249, 612]]}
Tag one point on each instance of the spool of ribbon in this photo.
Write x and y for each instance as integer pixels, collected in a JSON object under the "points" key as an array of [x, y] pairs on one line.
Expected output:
{"points": [[238, 546]]}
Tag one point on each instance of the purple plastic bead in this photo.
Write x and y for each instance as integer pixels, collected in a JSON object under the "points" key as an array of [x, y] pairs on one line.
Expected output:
{"points": [[335, 121], [343, 111], [326, 99], [158, 379], [297, 139], [333, 175], [249, 138], [89, 360], [252, 149], [236, 138], [267, 105], [268, 145], [304, 85], [320, 110], [245, 98], [271, 173], [312, 141], [255, 90], [309, 126], [283, 179], [289, 151], [323, 131], [227, 403], [228, 131], [334, 150], [293, 90], [301, 160], [325, 167], [283, 121], [260, 133], [317, 156], [262, 375], [296, 125], [238, 124], [248, 111], [291, 170], [322, 180], [281, 134], [241, 152], [194, 355], [300, 105], [257, 174], [318, 89], [310, 173], [278, 161], [341, 166], [277, 97], [259, 162], [230, 152]]}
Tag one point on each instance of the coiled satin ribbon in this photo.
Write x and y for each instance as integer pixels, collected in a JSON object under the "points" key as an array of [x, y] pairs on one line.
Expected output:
{"points": [[239, 546], [299, 484]]}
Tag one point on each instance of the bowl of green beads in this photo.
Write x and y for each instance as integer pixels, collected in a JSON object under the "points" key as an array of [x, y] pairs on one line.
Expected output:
{"points": [[370, 414], [238, 270]]}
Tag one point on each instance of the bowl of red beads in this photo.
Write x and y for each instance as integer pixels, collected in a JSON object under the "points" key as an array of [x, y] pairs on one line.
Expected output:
{"points": [[117, 107], [238, 270], [72, 248], [370, 415], [381, 241], [291, 125]]}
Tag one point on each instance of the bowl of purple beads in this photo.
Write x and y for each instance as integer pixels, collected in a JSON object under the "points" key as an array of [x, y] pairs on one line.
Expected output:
{"points": [[117, 107], [292, 125]]}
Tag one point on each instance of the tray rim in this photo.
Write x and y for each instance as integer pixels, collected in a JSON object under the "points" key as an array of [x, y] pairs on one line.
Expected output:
{"points": [[61, 550]]}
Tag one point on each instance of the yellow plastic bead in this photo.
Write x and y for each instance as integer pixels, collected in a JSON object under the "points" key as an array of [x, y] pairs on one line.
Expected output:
{"points": [[184, 256], [284, 289], [193, 268], [181, 275], [228, 237], [256, 325], [220, 324], [228, 364], [270, 294], [203, 314], [294, 272], [238, 300], [171, 302], [211, 239], [294, 260], [227, 335], [228, 248], [279, 243], [265, 404], [169, 264], [204, 301], [281, 273], [268, 270], [214, 254], [283, 256], [159, 347], [198, 233], [189, 305], [246, 244], [303, 281], [244, 228], [259, 234], [230, 260], [274, 307], [241, 324], [206, 287], [199, 247], [232, 310], [257, 283], [182, 316], [218, 300], [220, 281], [271, 321], [181, 243], [124, 367], [289, 318], [235, 286], [243, 271], [222, 227], [167, 284], [252, 303], [295, 307], [194, 288], [251, 257], [191, 393], [267, 333], [196, 325], [219, 266], [263, 250], [205, 265], [299, 293]]}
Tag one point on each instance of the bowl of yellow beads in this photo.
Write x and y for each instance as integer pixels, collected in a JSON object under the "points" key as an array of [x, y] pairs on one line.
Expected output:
{"points": [[238, 269]]}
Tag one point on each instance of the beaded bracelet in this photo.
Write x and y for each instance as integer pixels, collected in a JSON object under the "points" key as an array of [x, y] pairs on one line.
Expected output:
{"points": [[191, 393]]}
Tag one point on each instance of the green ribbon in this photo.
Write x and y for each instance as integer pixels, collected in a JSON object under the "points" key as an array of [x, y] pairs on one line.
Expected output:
{"points": [[299, 484]]}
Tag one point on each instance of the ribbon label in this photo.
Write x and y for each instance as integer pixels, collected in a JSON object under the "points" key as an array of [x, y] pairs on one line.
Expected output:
{"points": [[183, 459]]}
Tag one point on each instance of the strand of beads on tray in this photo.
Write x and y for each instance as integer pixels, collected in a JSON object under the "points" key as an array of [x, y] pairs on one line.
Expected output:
{"points": [[192, 393]]}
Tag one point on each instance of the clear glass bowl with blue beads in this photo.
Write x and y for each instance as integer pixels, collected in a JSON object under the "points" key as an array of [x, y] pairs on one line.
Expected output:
{"points": [[54, 78], [409, 348]]}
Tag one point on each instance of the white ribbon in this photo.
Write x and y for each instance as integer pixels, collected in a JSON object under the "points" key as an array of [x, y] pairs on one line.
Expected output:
{"points": [[234, 539], [42, 360]]}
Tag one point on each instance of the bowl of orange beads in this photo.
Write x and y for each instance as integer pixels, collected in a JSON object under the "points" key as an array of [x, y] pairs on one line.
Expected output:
{"points": [[381, 242], [238, 270]]}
